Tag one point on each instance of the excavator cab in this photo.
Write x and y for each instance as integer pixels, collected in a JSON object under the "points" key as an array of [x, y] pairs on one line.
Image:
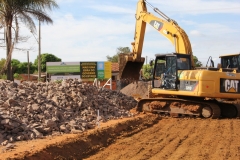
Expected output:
{"points": [[167, 68], [230, 62]]}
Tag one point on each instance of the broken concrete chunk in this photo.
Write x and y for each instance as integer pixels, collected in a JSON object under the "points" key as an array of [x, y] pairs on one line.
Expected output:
{"points": [[33, 110]]}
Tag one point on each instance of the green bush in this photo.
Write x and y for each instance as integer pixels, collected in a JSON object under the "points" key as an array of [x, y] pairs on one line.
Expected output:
{"points": [[58, 81], [4, 76], [16, 76], [147, 72]]}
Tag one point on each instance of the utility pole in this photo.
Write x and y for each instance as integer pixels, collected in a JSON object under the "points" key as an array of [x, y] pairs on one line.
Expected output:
{"points": [[28, 64], [39, 52]]}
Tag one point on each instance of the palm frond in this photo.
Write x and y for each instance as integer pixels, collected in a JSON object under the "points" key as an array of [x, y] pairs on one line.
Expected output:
{"points": [[24, 10]]}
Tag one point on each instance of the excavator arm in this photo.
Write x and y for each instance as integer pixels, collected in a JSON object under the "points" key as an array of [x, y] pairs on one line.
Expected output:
{"points": [[130, 65]]}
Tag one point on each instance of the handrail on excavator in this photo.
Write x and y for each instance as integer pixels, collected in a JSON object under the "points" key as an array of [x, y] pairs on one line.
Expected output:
{"points": [[158, 11]]}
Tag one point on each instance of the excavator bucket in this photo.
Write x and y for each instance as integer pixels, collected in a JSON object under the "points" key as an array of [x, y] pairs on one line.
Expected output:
{"points": [[129, 70]]}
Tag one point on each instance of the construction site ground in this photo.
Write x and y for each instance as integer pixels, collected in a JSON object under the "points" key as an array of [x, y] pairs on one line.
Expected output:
{"points": [[144, 136]]}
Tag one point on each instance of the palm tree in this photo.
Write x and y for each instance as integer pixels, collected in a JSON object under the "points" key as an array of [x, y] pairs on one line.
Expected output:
{"points": [[14, 11]]}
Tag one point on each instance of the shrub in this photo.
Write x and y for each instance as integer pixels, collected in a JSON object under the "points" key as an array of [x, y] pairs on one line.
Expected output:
{"points": [[4, 76], [17, 76]]}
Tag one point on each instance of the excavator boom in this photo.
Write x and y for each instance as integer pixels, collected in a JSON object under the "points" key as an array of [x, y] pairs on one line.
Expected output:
{"points": [[130, 65]]}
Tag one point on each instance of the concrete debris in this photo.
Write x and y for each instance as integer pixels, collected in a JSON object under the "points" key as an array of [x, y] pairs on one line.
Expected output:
{"points": [[33, 110], [8, 146]]}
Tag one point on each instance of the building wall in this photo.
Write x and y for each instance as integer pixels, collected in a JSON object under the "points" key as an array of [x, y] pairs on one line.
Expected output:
{"points": [[114, 84], [34, 79]]}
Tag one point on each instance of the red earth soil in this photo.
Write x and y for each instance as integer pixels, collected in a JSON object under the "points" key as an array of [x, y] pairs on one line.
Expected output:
{"points": [[144, 136]]}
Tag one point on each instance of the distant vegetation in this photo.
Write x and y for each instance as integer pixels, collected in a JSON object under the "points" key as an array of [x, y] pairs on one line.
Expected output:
{"points": [[45, 57], [120, 50], [22, 67]]}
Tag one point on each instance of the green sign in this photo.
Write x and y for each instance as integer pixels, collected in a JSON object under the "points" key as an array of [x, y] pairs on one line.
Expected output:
{"points": [[88, 70], [63, 67], [100, 74]]}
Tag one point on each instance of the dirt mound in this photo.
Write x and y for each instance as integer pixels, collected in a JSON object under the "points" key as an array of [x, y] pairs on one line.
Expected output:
{"points": [[176, 139], [140, 137], [79, 146], [136, 90]]}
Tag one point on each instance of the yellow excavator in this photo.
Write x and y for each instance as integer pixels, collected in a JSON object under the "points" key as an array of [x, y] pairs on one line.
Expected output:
{"points": [[178, 88]]}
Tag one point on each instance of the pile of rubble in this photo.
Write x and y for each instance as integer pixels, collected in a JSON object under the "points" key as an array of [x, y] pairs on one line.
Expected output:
{"points": [[33, 110]]}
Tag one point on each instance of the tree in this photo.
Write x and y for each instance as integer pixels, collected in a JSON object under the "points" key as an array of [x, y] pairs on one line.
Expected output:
{"points": [[13, 11], [23, 68], [123, 50], [147, 72], [196, 62], [46, 57], [14, 64], [120, 50]]}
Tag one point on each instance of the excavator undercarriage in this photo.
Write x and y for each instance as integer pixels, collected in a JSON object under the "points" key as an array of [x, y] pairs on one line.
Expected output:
{"points": [[177, 107]]}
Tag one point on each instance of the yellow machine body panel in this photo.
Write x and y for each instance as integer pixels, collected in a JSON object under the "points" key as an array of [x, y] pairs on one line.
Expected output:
{"points": [[205, 83]]}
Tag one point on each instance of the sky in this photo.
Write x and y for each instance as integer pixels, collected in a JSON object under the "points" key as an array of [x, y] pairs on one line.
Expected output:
{"points": [[93, 29]]}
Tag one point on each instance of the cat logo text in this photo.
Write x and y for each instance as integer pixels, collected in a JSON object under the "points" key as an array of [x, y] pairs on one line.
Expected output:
{"points": [[231, 85]]}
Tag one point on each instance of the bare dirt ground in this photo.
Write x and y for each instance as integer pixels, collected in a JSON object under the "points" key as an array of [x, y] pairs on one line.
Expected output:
{"points": [[145, 136], [141, 137], [136, 90], [79, 146], [176, 139]]}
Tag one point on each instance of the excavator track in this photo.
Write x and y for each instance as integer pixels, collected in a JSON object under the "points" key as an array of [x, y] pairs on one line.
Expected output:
{"points": [[176, 107], [229, 109], [238, 110]]}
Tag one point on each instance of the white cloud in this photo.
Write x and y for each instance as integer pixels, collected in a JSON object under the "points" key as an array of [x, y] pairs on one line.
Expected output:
{"points": [[91, 38], [198, 6], [187, 22], [215, 28], [195, 33], [112, 9]]}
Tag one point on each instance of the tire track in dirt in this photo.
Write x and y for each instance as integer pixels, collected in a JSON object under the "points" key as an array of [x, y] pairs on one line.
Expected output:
{"points": [[146, 139], [199, 142], [207, 139], [179, 133], [227, 141], [158, 142], [188, 143], [216, 140], [222, 140], [151, 140], [177, 139], [235, 145], [164, 138]]}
